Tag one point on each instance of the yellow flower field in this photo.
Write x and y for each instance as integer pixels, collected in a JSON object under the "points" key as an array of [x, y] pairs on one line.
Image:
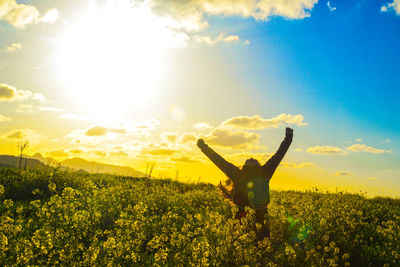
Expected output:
{"points": [[59, 217]]}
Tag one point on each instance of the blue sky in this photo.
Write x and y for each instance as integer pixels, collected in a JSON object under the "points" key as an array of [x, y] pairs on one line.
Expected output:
{"points": [[343, 62]]}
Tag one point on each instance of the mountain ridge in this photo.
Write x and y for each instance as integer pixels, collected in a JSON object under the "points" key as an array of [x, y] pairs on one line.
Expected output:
{"points": [[37, 160]]}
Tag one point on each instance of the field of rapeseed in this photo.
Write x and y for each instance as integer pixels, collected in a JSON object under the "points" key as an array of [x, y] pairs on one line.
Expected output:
{"points": [[53, 217]]}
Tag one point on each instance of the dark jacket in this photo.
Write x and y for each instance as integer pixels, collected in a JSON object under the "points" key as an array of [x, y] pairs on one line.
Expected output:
{"points": [[250, 185]]}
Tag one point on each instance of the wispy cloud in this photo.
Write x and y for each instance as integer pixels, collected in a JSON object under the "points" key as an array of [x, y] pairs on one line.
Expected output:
{"points": [[326, 150], [221, 38], [13, 47], [51, 16], [169, 137], [51, 109], [184, 20], [10, 93], [330, 7], [20, 134], [331, 150], [395, 6], [365, 148], [184, 159], [18, 15], [160, 151], [21, 15], [191, 14], [185, 137], [202, 126], [298, 165], [256, 122]]}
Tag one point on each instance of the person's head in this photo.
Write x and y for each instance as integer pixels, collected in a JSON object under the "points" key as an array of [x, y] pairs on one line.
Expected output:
{"points": [[251, 163]]}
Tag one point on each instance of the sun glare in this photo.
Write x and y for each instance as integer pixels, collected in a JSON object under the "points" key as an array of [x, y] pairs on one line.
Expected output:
{"points": [[113, 58]]}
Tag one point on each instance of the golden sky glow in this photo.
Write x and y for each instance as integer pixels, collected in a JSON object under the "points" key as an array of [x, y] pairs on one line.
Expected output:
{"points": [[133, 82]]}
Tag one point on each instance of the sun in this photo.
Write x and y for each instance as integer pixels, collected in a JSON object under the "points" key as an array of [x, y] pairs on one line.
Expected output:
{"points": [[113, 58]]}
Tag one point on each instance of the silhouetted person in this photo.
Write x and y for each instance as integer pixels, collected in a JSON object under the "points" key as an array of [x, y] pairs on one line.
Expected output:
{"points": [[251, 183]]}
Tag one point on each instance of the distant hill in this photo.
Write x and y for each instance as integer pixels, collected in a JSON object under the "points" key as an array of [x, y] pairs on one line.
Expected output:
{"points": [[47, 160], [13, 162], [79, 164], [95, 167]]}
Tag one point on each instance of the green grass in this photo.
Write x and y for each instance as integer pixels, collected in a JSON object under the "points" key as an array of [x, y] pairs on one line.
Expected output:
{"points": [[52, 216]]}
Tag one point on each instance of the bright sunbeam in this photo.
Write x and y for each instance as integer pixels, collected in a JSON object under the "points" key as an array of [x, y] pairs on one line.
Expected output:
{"points": [[113, 58]]}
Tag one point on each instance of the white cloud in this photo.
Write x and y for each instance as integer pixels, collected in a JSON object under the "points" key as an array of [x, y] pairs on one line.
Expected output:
{"points": [[221, 38], [256, 122], [7, 92], [51, 16], [185, 18], [127, 133], [358, 140], [169, 137], [149, 124], [96, 131], [20, 15], [191, 13], [178, 138], [365, 148], [32, 96], [188, 137], [330, 7], [10, 93], [158, 150], [395, 6], [13, 47], [234, 139], [326, 150]]}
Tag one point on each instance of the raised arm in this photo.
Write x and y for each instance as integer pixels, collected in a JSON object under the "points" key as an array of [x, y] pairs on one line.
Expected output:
{"points": [[228, 168], [225, 192], [274, 161]]}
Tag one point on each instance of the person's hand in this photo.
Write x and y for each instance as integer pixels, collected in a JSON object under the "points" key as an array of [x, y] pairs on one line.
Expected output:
{"points": [[289, 131], [200, 142]]}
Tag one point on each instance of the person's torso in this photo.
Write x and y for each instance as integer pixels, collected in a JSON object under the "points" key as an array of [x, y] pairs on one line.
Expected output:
{"points": [[252, 188]]}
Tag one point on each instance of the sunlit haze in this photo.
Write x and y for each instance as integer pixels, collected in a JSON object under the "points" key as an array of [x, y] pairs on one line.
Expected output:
{"points": [[115, 48], [135, 83]]}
